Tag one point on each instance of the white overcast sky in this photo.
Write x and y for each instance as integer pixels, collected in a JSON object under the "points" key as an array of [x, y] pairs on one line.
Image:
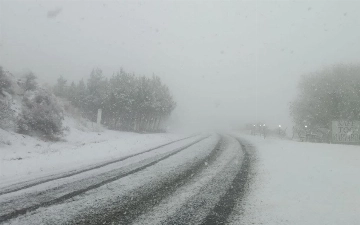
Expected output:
{"points": [[226, 62]]}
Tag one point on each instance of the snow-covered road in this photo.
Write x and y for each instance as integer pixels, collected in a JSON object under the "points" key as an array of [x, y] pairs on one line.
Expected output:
{"points": [[198, 180], [203, 179]]}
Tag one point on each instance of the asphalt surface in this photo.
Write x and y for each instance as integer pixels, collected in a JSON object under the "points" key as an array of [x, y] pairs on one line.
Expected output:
{"points": [[197, 180]]}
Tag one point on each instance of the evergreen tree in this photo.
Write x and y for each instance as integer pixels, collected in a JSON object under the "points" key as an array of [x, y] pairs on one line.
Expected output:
{"points": [[81, 92], [129, 102], [60, 88], [72, 93], [96, 90], [30, 83]]}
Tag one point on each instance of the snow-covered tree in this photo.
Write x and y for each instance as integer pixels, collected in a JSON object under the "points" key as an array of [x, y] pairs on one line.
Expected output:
{"points": [[4, 81], [81, 93], [327, 95], [96, 93], [129, 102], [72, 93], [30, 83], [60, 88]]}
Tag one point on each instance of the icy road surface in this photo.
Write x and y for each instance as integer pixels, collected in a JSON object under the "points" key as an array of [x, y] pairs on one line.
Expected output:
{"points": [[197, 180]]}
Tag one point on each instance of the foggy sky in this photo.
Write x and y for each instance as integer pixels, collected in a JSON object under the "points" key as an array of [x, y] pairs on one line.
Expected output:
{"points": [[226, 62]]}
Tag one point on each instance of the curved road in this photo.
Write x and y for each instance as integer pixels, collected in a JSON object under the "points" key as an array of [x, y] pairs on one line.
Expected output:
{"points": [[197, 180]]}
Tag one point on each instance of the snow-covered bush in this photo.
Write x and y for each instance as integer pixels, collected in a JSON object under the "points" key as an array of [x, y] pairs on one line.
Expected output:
{"points": [[5, 83], [41, 114], [6, 115]]}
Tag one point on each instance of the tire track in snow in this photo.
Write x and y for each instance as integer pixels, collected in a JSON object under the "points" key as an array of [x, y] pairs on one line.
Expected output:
{"points": [[223, 209], [128, 212], [207, 192], [57, 200], [32, 183]]}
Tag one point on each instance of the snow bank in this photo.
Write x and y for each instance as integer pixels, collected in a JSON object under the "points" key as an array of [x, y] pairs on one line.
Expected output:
{"points": [[303, 183]]}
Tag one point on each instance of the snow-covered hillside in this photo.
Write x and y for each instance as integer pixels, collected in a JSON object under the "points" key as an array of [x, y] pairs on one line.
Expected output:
{"points": [[303, 183], [80, 142]]}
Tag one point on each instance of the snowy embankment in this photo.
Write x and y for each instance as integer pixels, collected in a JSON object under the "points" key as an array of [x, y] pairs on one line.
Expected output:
{"points": [[23, 157], [302, 183]]}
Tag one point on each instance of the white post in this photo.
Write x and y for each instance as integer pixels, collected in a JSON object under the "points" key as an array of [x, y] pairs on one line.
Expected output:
{"points": [[99, 117]]}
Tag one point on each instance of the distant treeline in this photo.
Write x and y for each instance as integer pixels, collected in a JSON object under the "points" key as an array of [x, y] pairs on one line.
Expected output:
{"points": [[128, 102]]}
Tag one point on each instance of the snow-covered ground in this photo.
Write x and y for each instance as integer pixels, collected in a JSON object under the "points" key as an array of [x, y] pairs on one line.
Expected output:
{"points": [[294, 182], [303, 183], [23, 157]]}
